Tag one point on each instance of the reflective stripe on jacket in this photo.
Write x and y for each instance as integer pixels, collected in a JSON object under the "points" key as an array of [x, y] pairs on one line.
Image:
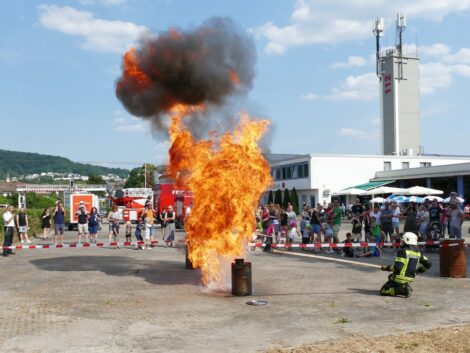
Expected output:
{"points": [[407, 263]]}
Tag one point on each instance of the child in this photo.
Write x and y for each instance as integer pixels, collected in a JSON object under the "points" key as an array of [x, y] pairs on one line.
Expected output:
{"points": [[306, 235], [328, 232], [348, 251], [138, 235], [147, 226], [293, 232], [375, 230], [128, 231], [356, 229], [268, 238], [371, 251]]}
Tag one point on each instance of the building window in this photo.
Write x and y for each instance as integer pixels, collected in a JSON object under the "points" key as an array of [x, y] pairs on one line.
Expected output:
{"points": [[425, 164], [294, 172], [387, 165], [405, 165]]}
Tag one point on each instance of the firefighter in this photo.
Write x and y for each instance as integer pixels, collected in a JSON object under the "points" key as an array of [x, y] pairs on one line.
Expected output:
{"points": [[408, 262]]}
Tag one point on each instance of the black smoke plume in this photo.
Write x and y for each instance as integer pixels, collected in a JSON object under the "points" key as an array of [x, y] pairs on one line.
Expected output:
{"points": [[205, 65]]}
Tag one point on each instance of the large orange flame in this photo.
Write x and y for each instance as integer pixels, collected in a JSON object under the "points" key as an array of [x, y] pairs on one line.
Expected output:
{"points": [[226, 176], [132, 72]]}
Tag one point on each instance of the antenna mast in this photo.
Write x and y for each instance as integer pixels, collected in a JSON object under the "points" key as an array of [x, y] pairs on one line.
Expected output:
{"points": [[378, 30], [401, 24]]}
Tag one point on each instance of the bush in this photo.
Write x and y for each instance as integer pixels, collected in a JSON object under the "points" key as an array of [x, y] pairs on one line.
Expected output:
{"points": [[34, 218]]}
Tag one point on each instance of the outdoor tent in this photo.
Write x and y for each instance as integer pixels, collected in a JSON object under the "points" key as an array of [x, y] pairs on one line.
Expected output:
{"points": [[386, 190], [419, 190], [350, 191]]}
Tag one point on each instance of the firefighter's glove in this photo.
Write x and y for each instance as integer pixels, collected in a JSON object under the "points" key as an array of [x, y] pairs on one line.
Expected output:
{"points": [[383, 268]]}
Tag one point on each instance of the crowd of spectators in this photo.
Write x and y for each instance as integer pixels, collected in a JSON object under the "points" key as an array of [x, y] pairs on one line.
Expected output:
{"points": [[321, 224]]}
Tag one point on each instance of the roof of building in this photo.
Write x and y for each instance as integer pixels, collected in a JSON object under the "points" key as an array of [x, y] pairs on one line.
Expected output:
{"points": [[277, 157], [424, 172], [280, 157], [9, 186], [371, 185]]}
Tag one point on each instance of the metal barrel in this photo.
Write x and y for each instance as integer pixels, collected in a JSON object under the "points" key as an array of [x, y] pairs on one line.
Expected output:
{"points": [[453, 262], [241, 278]]}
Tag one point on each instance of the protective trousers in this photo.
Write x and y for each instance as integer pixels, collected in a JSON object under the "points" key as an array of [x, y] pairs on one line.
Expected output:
{"points": [[392, 288]]}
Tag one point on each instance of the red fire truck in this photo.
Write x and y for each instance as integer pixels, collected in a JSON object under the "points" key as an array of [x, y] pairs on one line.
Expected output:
{"points": [[132, 201], [165, 194]]}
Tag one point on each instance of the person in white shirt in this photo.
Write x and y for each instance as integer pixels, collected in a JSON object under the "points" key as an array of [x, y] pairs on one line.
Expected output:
{"points": [[9, 225], [376, 214], [187, 212], [396, 219]]}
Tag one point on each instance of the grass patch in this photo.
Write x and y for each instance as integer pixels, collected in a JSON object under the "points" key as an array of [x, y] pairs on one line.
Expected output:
{"points": [[343, 320]]}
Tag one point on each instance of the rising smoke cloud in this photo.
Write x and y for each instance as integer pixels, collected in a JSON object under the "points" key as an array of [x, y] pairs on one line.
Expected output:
{"points": [[209, 65]]}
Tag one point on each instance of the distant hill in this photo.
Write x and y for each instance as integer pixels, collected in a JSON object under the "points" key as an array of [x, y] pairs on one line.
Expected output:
{"points": [[21, 163]]}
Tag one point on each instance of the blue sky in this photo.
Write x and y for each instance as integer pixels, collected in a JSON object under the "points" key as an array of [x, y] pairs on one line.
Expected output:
{"points": [[315, 80]]}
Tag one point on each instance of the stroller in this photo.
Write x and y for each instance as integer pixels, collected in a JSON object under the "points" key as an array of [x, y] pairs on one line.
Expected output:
{"points": [[434, 234]]}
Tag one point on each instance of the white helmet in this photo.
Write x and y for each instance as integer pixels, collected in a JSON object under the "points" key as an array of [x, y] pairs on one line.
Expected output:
{"points": [[410, 238]]}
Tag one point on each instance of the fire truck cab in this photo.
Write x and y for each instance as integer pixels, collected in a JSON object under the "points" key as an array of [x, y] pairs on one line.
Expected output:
{"points": [[165, 195]]}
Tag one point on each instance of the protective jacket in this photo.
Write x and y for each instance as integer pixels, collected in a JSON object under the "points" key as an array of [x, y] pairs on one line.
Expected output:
{"points": [[408, 262]]}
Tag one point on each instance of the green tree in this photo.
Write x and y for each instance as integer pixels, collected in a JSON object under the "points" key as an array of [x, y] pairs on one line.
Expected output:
{"points": [[278, 197], [95, 179], [270, 197], [295, 200], [135, 179], [138, 176], [35, 201], [20, 163], [286, 200], [148, 171]]}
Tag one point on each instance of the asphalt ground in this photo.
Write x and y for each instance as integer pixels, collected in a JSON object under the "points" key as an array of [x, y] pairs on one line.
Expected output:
{"points": [[124, 300]]}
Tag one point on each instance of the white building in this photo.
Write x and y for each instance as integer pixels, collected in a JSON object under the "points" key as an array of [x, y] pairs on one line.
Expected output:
{"points": [[317, 177]]}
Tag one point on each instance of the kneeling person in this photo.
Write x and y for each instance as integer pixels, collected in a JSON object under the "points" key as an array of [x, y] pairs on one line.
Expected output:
{"points": [[408, 262]]}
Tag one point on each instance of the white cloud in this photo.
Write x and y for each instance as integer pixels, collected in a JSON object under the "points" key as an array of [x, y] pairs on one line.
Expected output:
{"points": [[359, 134], [462, 56], [104, 2], [320, 21], [99, 35], [440, 74], [360, 88], [309, 97], [354, 88], [128, 123], [351, 62], [434, 76], [435, 50]]}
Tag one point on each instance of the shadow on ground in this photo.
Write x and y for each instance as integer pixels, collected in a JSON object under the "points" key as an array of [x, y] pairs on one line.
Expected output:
{"points": [[372, 292], [156, 272]]}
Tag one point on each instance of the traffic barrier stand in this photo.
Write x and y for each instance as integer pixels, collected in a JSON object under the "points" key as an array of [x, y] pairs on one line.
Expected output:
{"points": [[77, 245]]}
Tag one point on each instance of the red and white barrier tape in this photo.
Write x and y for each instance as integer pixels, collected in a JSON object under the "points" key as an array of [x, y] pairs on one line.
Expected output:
{"points": [[258, 245], [76, 245], [352, 245]]}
